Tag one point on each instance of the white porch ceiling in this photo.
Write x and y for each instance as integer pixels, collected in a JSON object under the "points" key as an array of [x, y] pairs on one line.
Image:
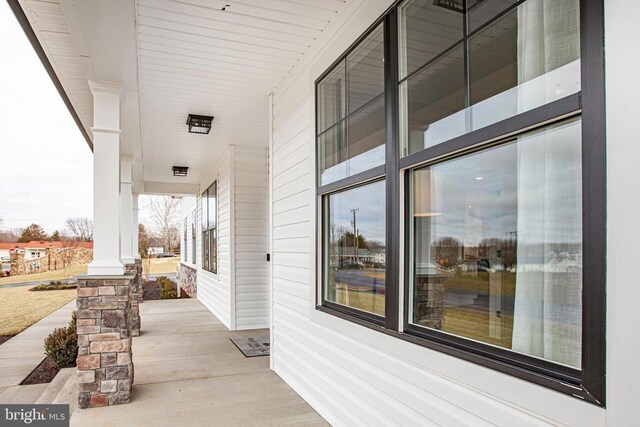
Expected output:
{"points": [[177, 57], [193, 57]]}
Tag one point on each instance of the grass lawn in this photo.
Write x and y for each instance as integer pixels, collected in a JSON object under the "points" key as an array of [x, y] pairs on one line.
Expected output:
{"points": [[362, 300], [474, 324], [479, 283], [20, 308], [49, 275], [160, 265]]}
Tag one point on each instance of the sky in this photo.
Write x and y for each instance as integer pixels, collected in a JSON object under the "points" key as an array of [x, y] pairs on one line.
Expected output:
{"points": [[45, 164]]}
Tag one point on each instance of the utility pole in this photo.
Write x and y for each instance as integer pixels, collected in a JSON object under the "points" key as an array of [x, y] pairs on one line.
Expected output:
{"points": [[355, 234]]}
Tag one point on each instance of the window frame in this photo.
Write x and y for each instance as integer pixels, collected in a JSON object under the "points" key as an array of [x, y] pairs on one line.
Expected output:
{"points": [[183, 250], [588, 383], [211, 264], [194, 244]]}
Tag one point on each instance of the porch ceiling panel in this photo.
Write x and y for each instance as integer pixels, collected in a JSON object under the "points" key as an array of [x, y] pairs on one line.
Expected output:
{"points": [[194, 57], [50, 26]]}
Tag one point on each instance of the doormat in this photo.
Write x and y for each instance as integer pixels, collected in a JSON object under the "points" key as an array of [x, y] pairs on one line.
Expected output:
{"points": [[252, 347]]}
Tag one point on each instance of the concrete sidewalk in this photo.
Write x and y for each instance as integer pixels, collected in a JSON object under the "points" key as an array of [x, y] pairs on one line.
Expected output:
{"points": [[24, 352]]}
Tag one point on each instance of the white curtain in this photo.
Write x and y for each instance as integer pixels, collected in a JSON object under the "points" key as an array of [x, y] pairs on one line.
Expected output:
{"points": [[547, 312]]}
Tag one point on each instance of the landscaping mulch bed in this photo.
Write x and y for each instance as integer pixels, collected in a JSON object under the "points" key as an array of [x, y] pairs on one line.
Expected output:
{"points": [[5, 338], [59, 286], [151, 291], [44, 373]]}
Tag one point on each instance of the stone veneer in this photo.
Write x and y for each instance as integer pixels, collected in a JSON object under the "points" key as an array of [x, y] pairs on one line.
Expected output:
{"points": [[187, 279], [135, 270], [105, 367]]}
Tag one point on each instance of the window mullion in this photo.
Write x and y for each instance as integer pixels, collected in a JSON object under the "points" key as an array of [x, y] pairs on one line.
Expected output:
{"points": [[392, 297]]}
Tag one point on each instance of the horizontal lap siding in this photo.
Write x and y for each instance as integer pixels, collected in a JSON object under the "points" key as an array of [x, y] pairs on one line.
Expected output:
{"points": [[187, 205], [214, 290], [251, 238]]}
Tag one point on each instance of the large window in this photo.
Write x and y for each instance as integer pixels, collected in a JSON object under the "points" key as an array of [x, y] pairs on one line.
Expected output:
{"points": [[194, 220], [208, 204], [184, 242], [355, 248], [350, 122], [460, 162]]}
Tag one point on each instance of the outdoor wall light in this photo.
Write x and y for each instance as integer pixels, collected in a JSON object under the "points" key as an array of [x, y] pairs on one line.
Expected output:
{"points": [[199, 124], [180, 170], [457, 5]]}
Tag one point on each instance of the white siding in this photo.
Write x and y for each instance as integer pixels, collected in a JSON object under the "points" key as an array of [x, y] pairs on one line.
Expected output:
{"points": [[251, 238], [354, 375], [214, 290], [623, 203], [187, 205], [238, 294]]}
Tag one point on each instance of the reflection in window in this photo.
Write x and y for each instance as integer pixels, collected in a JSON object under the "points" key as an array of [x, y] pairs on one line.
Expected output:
{"points": [[209, 201], [506, 64], [354, 254], [193, 236], [497, 245], [354, 142]]}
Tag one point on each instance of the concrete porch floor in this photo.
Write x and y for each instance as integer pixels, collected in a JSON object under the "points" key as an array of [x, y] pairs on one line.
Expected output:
{"points": [[188, 372]]}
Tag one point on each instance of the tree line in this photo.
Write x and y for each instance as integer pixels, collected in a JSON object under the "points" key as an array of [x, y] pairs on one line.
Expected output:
{"points": [[79, 229]]}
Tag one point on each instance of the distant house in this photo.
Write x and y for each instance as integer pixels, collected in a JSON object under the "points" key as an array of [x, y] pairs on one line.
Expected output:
{"points": [[28, 256], [156, 250], [348, 255], [6, 249]]}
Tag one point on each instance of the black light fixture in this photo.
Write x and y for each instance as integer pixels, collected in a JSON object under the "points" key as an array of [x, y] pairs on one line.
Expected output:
{"points": [[180, 170], [456, 5], [199, 124]]}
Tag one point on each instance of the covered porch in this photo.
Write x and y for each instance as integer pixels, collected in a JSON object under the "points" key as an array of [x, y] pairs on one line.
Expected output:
{"points": [[188, 372]]}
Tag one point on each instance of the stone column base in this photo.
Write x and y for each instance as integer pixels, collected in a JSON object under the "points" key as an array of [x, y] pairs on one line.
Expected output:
{"points": [[132, 269], [105, 367]]}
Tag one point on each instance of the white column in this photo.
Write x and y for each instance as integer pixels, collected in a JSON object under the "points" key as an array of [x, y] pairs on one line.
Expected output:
{"points": [[106, 179], [126, 210], [134, 228]]}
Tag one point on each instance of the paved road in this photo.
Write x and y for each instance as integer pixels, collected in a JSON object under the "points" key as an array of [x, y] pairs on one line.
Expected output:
{"points": [[360, 278]]}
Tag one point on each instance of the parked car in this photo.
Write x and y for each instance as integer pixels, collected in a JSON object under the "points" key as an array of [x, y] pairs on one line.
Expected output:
{"points": [[354, 266], [166, 255]]}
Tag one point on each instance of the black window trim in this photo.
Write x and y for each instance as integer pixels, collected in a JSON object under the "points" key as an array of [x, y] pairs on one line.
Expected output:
{"points": [[194, 240], [183, 250], [588, 383], [209, 231]]}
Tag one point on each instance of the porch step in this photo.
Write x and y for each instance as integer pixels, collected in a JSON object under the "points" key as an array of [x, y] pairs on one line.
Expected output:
{"points": [[57, 386], [69, 393]]}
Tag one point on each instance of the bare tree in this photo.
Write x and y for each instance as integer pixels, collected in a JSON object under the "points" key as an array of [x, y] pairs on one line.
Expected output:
{"points": [[10, 235], [68, 250], [144, 242], [165, 216], [80, 229]]}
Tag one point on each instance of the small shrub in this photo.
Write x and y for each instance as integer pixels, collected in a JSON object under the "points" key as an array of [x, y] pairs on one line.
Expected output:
{"points": [[54, 286], [167, 288], [62, 344]]}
